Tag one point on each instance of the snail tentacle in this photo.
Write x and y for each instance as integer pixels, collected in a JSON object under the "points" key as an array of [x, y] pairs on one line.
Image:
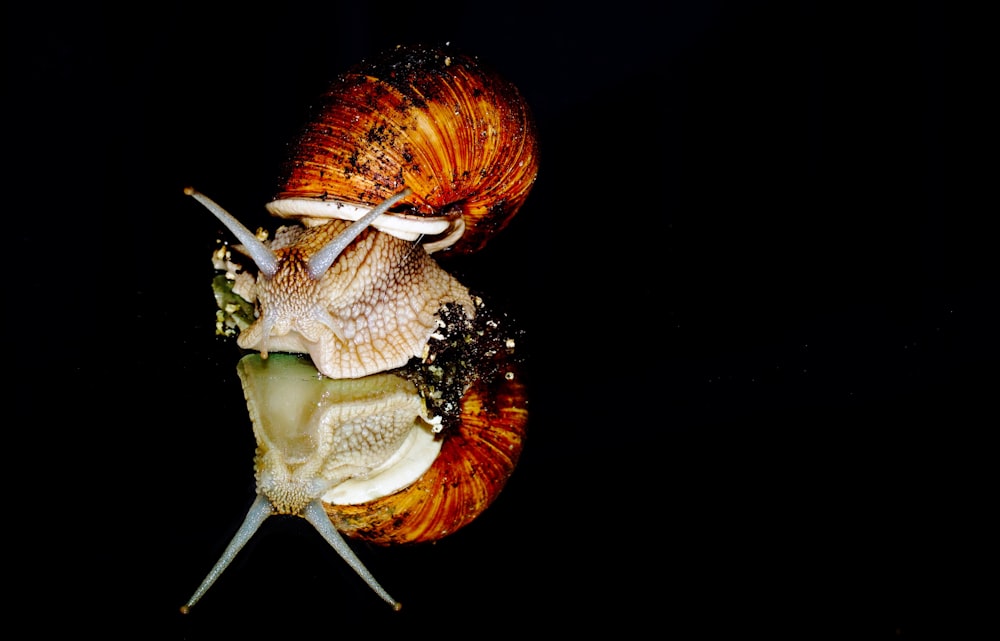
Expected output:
{"points": [[316, 515], [265, 259], [321, 260], [259, 511]]}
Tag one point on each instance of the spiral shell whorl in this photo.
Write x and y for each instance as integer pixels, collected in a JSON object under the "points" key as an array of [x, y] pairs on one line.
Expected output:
{"points": [[473, 466], [437, 121]]}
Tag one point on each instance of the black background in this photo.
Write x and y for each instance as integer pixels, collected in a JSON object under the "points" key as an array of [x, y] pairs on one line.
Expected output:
{"points": [[755, 293]]}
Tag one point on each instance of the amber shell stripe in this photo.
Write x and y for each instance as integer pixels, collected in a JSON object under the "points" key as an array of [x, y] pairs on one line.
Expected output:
{"points": [[436, 121]]}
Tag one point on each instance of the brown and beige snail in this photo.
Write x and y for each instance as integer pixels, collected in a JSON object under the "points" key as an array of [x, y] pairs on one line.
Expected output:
{"points": [[386, 399]]}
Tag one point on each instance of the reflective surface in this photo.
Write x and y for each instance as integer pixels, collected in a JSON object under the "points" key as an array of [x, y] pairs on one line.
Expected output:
{"points": [[761, 332]]}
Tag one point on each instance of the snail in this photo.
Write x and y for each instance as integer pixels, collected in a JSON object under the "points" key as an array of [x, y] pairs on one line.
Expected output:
{"points": [[386, 398], [421, 143], [366, 458]]}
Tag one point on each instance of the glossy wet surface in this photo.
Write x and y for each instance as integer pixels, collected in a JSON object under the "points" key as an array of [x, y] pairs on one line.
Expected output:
{"points": [[761, 335]]}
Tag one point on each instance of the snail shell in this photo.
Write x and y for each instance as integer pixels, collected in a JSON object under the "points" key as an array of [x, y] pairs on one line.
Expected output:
{"points": [[368, 459], [474, 463], [428, 118]]}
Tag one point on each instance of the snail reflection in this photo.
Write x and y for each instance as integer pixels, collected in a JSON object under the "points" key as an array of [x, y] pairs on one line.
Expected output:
{"points": [[385, 397]]}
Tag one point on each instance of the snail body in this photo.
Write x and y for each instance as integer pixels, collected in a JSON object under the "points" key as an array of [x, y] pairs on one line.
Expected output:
{"points": [[403, 414], [371, 310]]}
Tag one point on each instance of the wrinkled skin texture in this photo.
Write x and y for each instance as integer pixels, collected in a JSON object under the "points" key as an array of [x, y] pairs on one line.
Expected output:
{"points": [[371, 311]]}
